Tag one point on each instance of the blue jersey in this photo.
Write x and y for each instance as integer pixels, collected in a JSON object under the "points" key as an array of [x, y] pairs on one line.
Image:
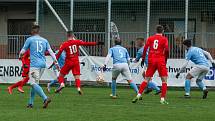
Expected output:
{"points": [[119, 54], [61, 59], [197, 56], [139, 55], [38, 46]]}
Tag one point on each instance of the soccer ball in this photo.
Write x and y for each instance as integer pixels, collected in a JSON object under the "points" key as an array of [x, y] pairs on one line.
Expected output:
{"points": [[100, 79]]}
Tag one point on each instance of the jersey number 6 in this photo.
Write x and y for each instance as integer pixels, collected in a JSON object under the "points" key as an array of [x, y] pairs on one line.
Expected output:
{"points": [[155, 45], [73, 49]]}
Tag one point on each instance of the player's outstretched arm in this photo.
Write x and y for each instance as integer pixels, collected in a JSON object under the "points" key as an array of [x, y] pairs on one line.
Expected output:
{"points": [[208, 55], [182, 68], [82, 43]]}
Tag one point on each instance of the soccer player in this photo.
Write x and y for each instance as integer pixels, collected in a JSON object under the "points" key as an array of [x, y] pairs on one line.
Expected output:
{"points": [[200, 58], [61, 62], [157, 58], [151, 85], [71, 47], [121, 62], [25, 70], [38, 46]]}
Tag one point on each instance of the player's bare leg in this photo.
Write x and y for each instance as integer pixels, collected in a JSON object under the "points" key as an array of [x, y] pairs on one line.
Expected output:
{"points": [[78, 84], [61, 82]]}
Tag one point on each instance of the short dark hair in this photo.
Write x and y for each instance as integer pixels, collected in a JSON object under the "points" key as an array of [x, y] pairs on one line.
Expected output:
{"points": [[159, 29], [187, 42], [117, 42], [70, 33], [141, 39], [35, 28]]}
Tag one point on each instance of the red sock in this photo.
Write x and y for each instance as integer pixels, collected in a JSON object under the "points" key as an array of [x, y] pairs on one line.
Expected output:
{"points": [[142, 87], [16, 84], [61, 79], [78, 83], [24, 81], [163, 90]]}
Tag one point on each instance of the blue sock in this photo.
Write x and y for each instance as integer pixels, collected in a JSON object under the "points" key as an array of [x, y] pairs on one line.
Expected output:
{"points": [[200, 84], [53, 82], [32, 95], [187, 87], [153, 86], [134, 86], [39, 91], [113, 87]]}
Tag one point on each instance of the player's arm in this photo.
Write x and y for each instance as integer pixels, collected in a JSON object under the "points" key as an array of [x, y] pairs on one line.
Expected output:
{"points": [[108, 57], [25, 48], [144, 53], [82, 43], [127, 57], [188, 56], [166, 52], [52, 54], [208, 55], [138, 56]]}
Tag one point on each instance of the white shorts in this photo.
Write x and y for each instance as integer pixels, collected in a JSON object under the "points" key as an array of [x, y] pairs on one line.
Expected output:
{"points": [[35, 75], [199, 71], [123, 69]]}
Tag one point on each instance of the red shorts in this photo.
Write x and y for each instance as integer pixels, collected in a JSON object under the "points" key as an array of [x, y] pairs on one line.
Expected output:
{"points": [[156, 64], [25, 71], [75, 67]]}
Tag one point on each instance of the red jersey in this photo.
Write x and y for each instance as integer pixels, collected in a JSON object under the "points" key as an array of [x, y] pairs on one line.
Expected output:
{"points": [[26, 58], [158, 47], [71, 47]]}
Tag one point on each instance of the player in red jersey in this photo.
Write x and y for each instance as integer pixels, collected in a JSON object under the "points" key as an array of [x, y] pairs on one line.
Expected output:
{"points": [[71, 47], [157, 59], [25, 70]]}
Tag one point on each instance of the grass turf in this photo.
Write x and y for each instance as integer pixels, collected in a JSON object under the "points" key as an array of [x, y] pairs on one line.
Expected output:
{"points": [[96, 105]]}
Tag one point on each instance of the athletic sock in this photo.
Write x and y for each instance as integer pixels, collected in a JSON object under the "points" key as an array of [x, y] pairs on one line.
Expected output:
{"points": [[187, 87], [39, 91], [78, 83], [32, 95], [61, 79], [113, 87], [134, 86], [16, 84], [142, 87], [163, 90], [200, 84], [24, 81], [53, 82], [152, 85]]}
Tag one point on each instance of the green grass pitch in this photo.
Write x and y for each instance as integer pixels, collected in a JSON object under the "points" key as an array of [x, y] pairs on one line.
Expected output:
{"points": [[96, 105]]}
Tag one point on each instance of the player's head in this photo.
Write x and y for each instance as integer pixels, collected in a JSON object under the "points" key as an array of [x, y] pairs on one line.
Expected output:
{"points": [[117, 42], [187, 42], [70, 34], [35, 29], [159, 29], [139, 42]]}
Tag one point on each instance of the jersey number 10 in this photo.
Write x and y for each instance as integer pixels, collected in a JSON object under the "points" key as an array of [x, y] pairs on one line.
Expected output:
{"points": [[73, 49]]}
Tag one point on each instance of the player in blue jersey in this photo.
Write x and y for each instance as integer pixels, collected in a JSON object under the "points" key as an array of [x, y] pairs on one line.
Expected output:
{"points": [[61, 62], [139, 54], [121, 62], [38, 46], [200, 58]]}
